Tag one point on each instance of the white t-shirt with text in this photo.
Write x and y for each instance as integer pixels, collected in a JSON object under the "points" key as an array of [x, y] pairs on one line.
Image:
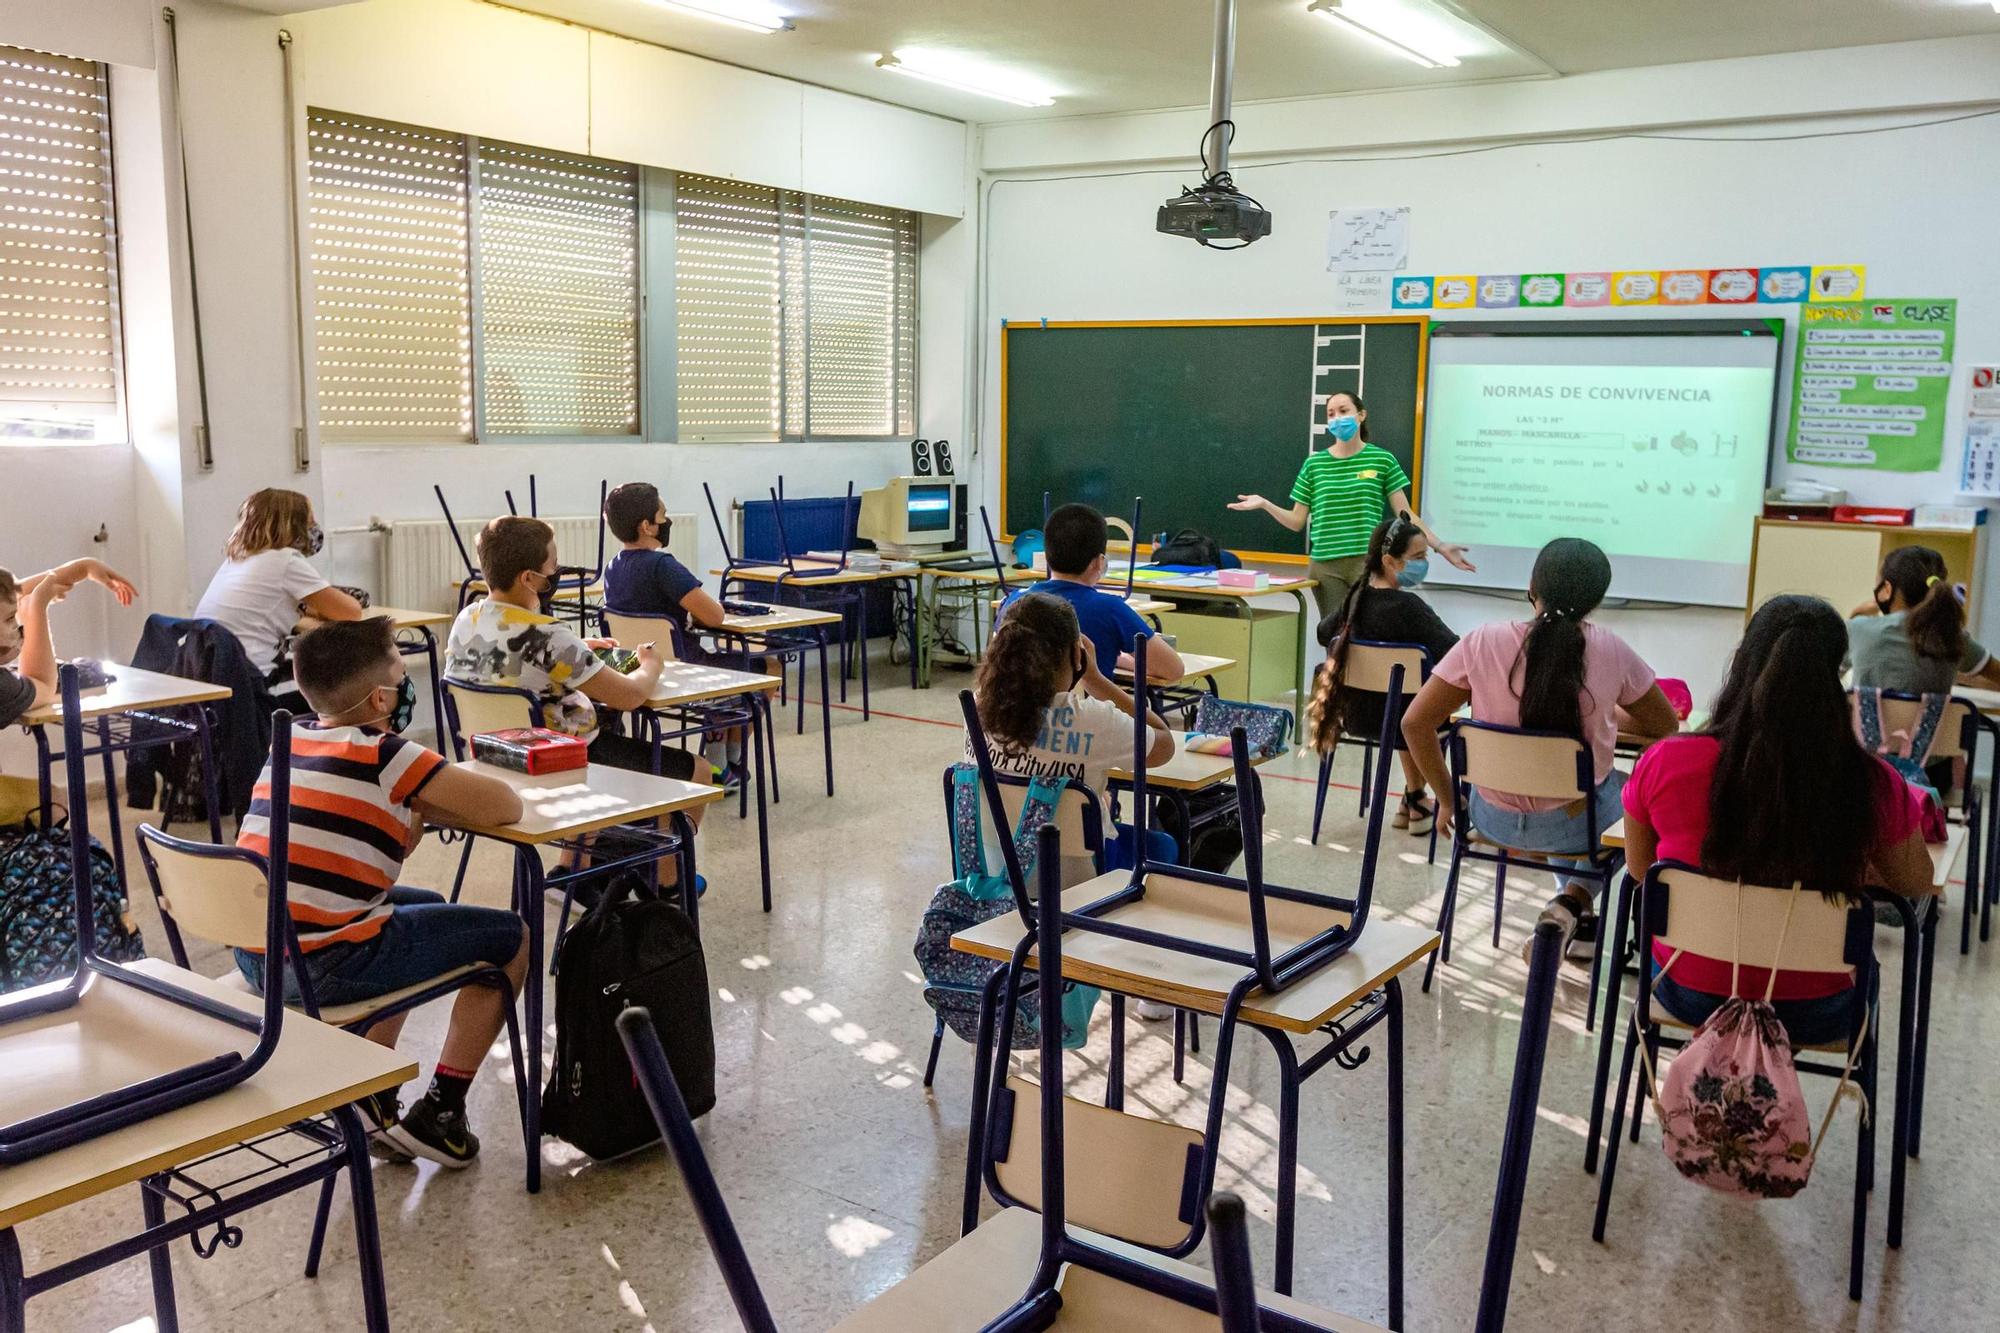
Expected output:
{"points": [[1081, 738]]}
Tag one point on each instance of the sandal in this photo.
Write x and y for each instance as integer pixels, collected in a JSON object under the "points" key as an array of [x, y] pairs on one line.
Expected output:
{"points": [[1416, 813]]}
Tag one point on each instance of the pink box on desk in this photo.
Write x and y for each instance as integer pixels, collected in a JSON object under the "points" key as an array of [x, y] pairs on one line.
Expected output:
{"points": [[1255, 579]]}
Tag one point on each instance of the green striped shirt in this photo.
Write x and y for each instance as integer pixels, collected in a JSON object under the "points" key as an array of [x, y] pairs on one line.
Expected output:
{"points": [[1347, 497]]}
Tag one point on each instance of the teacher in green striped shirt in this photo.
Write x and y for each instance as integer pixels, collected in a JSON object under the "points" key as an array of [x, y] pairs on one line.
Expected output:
{"points": [[1342, 493]]}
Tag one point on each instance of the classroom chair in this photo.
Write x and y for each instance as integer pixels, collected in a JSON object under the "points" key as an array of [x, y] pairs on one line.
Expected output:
{"points": [[213, 893], [1764, 927], [1369, 662], [1519, 762]]}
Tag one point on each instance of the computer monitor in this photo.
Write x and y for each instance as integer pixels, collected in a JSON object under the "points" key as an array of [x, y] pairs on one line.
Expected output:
{"points": [[909, 516]]}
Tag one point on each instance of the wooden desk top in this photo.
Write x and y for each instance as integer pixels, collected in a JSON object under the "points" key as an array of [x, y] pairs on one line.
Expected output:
{"points": [[1196, 664], [1212, 915], [1144, 605], [1188, 771], [967, 1286], [1986, 701], [1944, 855], [405, 618], [985, 574], [1204, 586], [789, 577], [584, 800], [116, 1035], [134, 691], [692, 683], [779, 618]]}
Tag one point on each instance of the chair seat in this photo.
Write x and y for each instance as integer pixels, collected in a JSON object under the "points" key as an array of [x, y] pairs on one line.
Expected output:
{"points": [[1478, 839], [973, 1282], [343, 1015], [1208, 914], [1665, 1020]]}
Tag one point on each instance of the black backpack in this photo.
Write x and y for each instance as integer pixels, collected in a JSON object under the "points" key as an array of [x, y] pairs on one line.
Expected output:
{"points": [[1188, 547], [1218, 837], [627, 950], [38, 908]]}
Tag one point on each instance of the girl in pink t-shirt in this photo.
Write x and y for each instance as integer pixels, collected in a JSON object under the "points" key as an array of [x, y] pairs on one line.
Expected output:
{"points": [[1555, 673], [1777, 789]]}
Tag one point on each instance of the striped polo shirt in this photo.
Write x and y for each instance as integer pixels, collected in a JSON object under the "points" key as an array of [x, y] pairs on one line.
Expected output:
{"points": [[1347, 497], [351, 794]]}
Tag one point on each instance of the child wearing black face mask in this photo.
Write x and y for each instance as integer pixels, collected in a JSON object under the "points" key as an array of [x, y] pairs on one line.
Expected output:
{"points": [[1048, 711], [267, 585]]}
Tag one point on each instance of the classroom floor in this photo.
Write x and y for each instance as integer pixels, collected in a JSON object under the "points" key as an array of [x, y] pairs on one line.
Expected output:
{"points": [[843, 1173]]}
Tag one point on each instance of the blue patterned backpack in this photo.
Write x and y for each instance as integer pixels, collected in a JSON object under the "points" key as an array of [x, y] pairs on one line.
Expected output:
{"points": [[38, 908], [953, 981]]}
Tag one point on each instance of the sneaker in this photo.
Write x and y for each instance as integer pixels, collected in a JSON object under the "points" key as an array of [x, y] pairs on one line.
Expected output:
{"points": [[1563, 911], [1153, 1011], [733, 778], [437, 1134], [379, 1113]]}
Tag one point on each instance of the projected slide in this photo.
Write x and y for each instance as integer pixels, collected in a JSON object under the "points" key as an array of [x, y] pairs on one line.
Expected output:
{"points": [[1653, 446]]}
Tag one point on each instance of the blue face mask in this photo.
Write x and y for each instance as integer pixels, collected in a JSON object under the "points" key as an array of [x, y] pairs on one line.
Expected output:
{"points": [[1343, 428], [1413, 572]]}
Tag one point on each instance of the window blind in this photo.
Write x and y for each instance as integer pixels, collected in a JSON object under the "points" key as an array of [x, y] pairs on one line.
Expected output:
{"points": [[558, 241], [859, 292], [58, 308], [392, 298], [728, 271]]}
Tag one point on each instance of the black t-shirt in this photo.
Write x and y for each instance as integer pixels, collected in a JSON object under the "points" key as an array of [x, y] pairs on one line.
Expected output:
{"points": [[1386, 615], [17, 696]]}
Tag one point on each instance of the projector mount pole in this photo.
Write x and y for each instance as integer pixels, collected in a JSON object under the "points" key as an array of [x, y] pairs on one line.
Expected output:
{"points": [[1219, 80]]}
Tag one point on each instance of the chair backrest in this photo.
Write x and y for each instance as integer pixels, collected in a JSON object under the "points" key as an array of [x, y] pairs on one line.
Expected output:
{"points": [[1957, 728], [1522, 763], [1687, 910], [471, 709], [221, 894], [1131, 1179], [630, 629], [1369, 664], [1079, 818]]}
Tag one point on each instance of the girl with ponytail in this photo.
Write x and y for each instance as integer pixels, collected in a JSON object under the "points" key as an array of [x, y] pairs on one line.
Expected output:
{"points": [[1911, 635], [1559, 673], [1380, 608], [1777, 790]]}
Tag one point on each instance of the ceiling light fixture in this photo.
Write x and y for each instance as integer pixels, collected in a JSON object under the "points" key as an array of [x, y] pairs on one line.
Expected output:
{"points": [[736, 13], [1377, 28], [948, 74]]}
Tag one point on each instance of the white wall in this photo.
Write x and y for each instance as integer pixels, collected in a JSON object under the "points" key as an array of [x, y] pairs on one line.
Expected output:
{"points": [[1914, 206]]}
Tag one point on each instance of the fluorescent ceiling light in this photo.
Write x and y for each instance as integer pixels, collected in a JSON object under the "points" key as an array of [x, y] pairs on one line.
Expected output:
{"points": [[737, 13], [1390, 30], [949, 73]]}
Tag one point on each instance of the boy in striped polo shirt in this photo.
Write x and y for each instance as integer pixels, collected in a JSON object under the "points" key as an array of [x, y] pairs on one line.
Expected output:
{"points": [[360, 795]]}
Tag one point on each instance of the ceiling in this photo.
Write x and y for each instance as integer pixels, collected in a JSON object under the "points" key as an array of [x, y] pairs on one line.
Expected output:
{"points": [[1098, 56]]}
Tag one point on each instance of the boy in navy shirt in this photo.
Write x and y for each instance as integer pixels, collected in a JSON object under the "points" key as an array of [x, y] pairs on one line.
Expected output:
{"points": [[1074, 544]]}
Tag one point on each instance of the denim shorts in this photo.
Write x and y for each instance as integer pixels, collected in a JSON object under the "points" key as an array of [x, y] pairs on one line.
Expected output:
{"points": [[1552, 830], [1818, 1022], [424, 936]]}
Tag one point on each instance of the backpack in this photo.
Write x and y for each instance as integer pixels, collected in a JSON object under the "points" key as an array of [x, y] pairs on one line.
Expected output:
{"points": [[954, 981], [625, 951], [38, 907], [1731, 1113], [1188, 547], [1218, 836], [1267, 729], [1907, 753]]}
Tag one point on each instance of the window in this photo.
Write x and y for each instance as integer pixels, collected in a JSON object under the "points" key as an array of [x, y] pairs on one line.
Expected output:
{"points": [[728, 296], [58, 272], [392, 287], [857, 285]]}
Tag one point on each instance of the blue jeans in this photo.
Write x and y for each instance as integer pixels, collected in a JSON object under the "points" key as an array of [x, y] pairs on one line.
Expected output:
{"points": [[1554, 830], [424, 936], [1817, 1022], [1159, 847]]}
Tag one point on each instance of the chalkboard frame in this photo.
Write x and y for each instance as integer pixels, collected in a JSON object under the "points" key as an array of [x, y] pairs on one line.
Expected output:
{"points": [[1422, 323]]}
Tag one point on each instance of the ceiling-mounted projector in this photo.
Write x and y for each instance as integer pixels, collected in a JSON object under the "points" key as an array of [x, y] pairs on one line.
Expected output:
{"points": [[1216, 213]]}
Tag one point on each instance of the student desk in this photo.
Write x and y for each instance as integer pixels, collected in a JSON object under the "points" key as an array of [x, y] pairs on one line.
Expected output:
{"points": [[780, 621], [686, 686], [111, 710], [1182, 776], [803, 576], [1344, 999], [948, 591], [116, 1035], [1240, 640], [1162, 695], [424, 625], [561, 807]]}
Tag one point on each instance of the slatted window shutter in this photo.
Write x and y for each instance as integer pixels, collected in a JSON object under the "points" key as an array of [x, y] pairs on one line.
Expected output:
{"points": [[558, 265], [58, 279], [728, 287], [392, 288], [859, 291]]}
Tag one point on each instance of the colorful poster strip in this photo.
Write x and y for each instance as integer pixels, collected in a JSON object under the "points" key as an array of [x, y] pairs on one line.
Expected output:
{"points": [[1782, 284]]}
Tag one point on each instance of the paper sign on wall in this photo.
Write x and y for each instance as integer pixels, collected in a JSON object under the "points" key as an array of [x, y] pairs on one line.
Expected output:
{"points": [[1869, 384], [1367, 240], [1361, 293], [1980, 473]]}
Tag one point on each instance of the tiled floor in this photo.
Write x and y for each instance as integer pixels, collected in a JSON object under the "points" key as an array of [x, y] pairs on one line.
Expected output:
{"points": [[844, 1173]]}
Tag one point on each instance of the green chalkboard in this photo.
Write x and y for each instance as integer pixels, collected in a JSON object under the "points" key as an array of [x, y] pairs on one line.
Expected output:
{"points": [[1190, 415]]}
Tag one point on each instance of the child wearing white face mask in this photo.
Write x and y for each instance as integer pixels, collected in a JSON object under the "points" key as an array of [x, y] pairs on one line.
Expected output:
{"points": [[1343, 491], [28, 654]]}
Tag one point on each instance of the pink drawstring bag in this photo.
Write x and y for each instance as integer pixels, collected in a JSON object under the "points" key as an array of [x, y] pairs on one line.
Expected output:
{"points": [[1731, 1112]]}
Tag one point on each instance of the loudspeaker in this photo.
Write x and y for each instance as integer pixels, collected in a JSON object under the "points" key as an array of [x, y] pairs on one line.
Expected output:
{"points": [[943, 448], [958, 522], [920, 457]]}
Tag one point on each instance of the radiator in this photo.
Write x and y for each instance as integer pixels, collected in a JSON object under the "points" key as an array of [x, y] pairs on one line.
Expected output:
{"points": [[425, 568]]}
